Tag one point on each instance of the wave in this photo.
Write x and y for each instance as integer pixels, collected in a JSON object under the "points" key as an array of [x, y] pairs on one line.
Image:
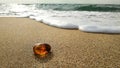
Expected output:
{"points": [[79, 7], [87, 21]]}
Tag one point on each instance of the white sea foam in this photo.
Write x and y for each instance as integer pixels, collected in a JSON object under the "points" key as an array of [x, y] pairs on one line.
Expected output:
{"points": [[102, 29], [104, 22]]}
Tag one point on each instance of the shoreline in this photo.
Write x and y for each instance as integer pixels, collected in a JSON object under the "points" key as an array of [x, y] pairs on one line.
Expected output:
{"points": [[70, 48]]}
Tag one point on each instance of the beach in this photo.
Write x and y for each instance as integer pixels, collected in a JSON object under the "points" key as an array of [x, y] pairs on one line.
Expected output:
{"points": [[70, 48]]}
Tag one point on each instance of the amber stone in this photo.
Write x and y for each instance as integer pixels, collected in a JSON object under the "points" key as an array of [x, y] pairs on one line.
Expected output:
{"points": [[41, 49]]}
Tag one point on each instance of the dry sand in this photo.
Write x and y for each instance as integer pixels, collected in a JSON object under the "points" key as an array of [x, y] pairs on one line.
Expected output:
{"points": [[70, 48]]}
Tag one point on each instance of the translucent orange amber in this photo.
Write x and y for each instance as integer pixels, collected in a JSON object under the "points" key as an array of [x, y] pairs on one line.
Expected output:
{"points": [[41, 49]]}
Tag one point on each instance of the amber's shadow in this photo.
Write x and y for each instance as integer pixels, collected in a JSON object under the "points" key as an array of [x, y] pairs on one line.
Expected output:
{"points": [[45, 59]]}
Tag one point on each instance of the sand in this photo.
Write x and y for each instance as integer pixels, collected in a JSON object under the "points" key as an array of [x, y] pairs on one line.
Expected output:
{"points": [[70, 48]]}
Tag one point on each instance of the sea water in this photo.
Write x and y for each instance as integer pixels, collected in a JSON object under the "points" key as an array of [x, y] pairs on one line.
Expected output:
{"points": [[104, 18]]}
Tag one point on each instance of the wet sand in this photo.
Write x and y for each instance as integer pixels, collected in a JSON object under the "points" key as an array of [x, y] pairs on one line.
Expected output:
{"points": [[70, 48]]}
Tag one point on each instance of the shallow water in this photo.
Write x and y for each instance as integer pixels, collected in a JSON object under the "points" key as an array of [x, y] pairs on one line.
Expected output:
{"points": [[88, 20]]}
